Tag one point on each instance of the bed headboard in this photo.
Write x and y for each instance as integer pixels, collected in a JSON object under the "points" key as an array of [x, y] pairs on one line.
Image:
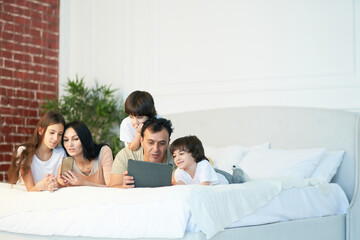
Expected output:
{"points": [[283, 127]]}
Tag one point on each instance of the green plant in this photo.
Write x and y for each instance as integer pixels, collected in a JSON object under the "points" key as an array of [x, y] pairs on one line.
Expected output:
{"points": [[97, 107]]}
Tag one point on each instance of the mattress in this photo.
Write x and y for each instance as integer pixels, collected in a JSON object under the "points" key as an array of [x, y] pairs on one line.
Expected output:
{"points": [[163, 212]]}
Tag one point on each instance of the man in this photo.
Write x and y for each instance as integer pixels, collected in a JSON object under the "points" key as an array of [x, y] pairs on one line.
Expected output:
{"points": [[155, 138]]}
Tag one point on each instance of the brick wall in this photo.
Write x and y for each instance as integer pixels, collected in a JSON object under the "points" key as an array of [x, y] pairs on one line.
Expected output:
{"points": [[29, 48]]}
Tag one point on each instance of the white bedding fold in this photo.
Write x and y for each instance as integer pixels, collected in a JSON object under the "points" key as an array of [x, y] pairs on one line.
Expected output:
{"points": [[212, 207]]}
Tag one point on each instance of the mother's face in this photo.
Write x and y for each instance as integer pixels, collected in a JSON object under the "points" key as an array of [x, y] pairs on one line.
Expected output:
{"points": [[72, 143]]}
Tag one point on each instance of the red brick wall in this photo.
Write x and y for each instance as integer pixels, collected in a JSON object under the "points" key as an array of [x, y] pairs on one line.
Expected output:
{"points": [[29, 48]]}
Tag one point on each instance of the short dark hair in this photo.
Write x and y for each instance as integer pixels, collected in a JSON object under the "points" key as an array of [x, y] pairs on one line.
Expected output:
{"points": [[91, 150], [140, 103], [191, 144], [156, 125]]}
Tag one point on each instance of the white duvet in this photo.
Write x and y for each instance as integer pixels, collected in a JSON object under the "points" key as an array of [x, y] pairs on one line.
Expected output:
{"points": [[131, 213]]}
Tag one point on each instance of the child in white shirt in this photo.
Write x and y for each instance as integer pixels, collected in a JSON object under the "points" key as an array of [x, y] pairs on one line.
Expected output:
{"points": [[139, 105], [36, 161], [192, 165]]}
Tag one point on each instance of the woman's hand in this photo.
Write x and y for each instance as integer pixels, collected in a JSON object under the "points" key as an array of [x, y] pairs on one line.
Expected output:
{"points": [[71, 178]]}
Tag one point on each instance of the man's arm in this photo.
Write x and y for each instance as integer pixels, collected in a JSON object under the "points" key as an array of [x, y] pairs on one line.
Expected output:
{"points": [[119, 177], [122, 180]]}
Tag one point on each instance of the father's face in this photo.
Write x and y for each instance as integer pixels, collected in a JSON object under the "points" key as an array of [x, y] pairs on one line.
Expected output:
{"points": [[155, 145]]}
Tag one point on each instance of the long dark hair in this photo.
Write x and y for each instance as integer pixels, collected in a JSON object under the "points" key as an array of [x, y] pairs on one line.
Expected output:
{"points": [[91, 150], [23, 160], [191, 144]]}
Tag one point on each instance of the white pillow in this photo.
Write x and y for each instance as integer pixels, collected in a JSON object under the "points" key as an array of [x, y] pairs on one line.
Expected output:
{"points": [[224, 158], [275, 163], [328, 166]]}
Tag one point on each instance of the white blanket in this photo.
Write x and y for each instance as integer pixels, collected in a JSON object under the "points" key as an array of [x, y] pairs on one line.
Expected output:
{"points": [[166, 210]]}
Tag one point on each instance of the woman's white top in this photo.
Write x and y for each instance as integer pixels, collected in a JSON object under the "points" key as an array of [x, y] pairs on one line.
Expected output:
{"points": [[204, 173]]}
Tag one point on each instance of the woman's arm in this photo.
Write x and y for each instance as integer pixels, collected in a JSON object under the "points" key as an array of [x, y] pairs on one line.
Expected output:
{"points": [[106, 162], [71, 178]]}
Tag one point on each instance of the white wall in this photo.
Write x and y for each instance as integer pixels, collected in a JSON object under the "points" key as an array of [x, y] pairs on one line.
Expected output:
{"points": [[199, 54]]}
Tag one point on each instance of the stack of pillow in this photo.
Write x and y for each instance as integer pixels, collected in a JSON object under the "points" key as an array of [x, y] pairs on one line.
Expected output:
{"points": [[261, 162]]}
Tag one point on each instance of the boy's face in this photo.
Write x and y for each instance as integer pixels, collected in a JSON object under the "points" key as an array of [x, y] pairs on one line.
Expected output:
{"points": [[137, 120], [183, 159]]}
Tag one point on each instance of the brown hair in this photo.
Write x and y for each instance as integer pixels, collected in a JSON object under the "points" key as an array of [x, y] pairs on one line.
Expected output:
{"points": [[23, 160], [140, 103], [190, 144]]}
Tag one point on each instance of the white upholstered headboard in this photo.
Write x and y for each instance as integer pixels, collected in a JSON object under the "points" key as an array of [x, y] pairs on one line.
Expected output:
{"points": [[283, 127]]}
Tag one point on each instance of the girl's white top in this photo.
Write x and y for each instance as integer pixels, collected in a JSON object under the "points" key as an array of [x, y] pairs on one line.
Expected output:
{"points": [[39, 168]]}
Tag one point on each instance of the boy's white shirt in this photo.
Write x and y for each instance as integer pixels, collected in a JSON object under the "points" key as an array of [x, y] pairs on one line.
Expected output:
{"points": [[204, 173], [127, 131]]}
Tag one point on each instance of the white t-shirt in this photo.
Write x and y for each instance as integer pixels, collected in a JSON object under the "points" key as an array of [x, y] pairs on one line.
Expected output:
{"points": [[39, 168], [127, 131], [204, 173]]}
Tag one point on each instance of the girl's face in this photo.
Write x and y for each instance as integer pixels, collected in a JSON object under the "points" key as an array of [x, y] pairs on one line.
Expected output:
{"points": [[183, 159], [136, 120], [52, 135], [72, 143]]}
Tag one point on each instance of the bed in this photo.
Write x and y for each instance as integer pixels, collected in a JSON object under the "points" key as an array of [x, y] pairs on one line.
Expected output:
{"points": [[218, 212]]}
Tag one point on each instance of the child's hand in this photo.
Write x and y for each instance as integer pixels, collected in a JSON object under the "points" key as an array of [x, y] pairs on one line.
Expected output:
{"points": [[51, 183], [139, 127]]}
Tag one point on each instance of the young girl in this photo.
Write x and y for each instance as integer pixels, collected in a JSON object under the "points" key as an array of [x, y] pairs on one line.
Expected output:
{"points": [[92, 162], [37, 160], [192, 165], [140, 106]]}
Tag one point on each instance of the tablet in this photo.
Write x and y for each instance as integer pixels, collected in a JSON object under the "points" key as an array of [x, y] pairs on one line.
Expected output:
{"points": [[150, 174]]}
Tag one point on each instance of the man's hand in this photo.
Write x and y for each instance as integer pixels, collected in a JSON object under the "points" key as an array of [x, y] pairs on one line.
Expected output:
{"points": [[128, 181]]}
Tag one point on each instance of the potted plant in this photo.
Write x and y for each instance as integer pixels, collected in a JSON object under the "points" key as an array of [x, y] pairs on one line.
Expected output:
{"points": [[97, 107]]}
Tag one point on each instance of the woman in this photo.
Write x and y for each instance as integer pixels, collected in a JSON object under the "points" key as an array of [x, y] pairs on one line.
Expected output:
{"points": [[92, 162], [37, 160]]}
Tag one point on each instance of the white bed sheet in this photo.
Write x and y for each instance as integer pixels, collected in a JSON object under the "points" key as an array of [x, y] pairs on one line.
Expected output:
{"points": [[154, 216], [293, 204], [131, 213]]}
